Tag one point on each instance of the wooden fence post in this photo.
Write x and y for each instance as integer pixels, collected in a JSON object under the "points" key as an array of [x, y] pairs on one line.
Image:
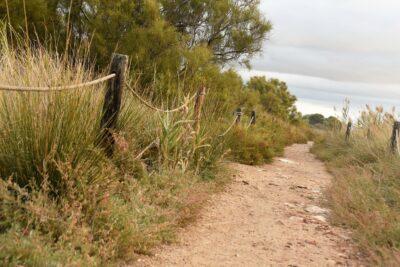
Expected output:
{"points": [[253, 117], [395, 136], [238, 114], [112, 102], [201, 94], [348, 131]]}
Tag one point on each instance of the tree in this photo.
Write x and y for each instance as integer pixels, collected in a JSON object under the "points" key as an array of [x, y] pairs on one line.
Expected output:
{"points": [[315, 119], [167, 40], [333, 123], [40, 16], [136, 28], [274, 96], [233, 29]]}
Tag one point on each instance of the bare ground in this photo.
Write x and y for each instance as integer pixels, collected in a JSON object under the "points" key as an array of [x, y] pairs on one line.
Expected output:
{"points": [[269, 216]]}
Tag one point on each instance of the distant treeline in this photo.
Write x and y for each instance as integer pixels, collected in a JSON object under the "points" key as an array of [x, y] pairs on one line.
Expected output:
{"points": [[319, 120]]}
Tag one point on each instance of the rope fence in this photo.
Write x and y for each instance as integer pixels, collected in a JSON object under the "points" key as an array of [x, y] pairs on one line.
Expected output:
{"points": [[230, 127], [113, 100], [56, 88], [238, 115], [155, 143], [147, 104], [250, 123], [394, 142]]}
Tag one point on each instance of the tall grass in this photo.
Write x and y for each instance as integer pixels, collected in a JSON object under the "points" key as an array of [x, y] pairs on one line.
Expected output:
{"points": [[63, 201], [365, 195], [41, 130]]}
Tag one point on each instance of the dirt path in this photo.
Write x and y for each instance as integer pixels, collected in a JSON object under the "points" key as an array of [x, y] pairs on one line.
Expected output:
{"points": [[269, 216]]}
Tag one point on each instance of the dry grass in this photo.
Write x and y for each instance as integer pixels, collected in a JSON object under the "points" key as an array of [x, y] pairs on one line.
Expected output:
{"points": [[365, 195]]}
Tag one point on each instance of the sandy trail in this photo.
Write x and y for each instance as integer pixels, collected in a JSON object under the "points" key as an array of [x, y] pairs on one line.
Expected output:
{"points": [[269, 216]]}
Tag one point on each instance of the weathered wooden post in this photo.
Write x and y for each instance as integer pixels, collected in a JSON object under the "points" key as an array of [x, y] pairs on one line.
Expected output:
{"points": [[112, 102], [201, 94], [348, 131], [395, 137], [253, 117], [238, 114]]}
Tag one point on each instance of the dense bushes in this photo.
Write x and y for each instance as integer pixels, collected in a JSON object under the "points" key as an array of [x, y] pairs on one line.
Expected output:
{"points": [[365, 193]]}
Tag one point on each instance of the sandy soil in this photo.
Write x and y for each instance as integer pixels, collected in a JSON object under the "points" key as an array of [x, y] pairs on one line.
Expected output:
{"points": [[269, 216]]}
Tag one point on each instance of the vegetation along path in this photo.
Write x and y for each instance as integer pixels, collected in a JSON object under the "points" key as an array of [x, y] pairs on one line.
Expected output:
{"points": [[269, 216]]}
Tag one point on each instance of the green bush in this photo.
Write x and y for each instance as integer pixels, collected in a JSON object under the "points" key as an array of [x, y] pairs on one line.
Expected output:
{"points": [[259, 143], [248, 148]]}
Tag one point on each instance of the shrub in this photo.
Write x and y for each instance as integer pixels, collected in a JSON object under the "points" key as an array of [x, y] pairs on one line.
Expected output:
{"points": [[248, 148], [259, 143]]}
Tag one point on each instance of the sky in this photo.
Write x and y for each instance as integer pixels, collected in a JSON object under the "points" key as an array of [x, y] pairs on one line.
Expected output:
{"points": [[330, 50]]}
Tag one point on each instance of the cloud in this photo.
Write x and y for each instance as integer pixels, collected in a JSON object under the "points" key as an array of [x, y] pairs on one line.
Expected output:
{"points": [[329, 50], [346, 40], [342, 66], [325, 95]]}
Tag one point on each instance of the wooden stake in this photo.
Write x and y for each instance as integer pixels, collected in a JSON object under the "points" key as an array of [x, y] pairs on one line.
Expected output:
{"points": [[112, 102], [395, 137], [348, 131], [239, 114], [201, 94], [253, 117]]}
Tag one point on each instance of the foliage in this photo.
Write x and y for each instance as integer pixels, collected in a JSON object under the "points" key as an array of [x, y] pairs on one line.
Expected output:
{"points": [[365, 192], [318, 120], [173, 38], [315, 119], [41, 15], [260, 143], [274, 96], [233, 30]]}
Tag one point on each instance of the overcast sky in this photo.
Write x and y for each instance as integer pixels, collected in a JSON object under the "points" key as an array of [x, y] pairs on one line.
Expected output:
{"points": [[329, 50]]}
